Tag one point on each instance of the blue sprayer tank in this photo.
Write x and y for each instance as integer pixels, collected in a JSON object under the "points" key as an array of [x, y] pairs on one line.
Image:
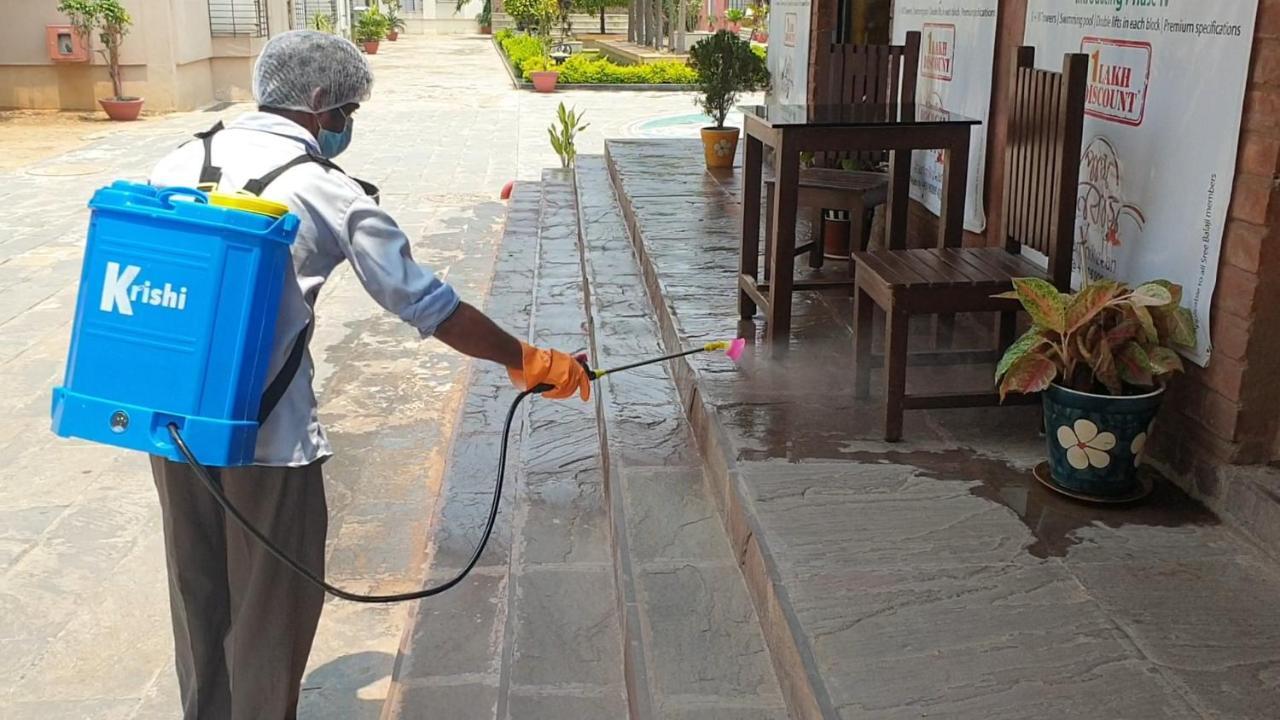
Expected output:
{"points": [[174, 321]]}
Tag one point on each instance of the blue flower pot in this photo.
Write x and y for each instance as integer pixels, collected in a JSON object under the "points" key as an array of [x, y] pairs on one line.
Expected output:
{"points": [[1096, 441]]}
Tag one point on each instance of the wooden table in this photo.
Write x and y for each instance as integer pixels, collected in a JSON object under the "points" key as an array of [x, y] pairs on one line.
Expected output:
{"points": [[792, 129]]}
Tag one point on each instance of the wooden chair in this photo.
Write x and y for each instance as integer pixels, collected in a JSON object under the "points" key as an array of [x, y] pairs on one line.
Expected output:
{"points": [[867, 74], [1042, 163]]}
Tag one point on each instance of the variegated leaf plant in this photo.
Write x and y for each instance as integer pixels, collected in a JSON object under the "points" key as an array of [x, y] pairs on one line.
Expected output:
{"points": [[1105, 339]]}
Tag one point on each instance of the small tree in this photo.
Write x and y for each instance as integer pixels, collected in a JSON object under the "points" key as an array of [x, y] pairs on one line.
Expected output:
{"points": [[111, 22], [726, 68]]}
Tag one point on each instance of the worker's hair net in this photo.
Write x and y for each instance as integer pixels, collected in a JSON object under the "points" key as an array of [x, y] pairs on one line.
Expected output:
{"points": [[295, 64]]}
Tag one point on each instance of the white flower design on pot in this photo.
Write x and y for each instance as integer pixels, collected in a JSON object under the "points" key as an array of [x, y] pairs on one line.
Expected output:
{"points": [[1139, 444], [1136, 447], [722, 148], [1085, 445]]}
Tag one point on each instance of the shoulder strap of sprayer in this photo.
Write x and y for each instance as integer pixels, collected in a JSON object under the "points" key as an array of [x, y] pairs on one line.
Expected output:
{"points": [[283, 379], [210, 174]]}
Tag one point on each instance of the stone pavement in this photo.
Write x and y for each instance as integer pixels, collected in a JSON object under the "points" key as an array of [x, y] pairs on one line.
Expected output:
{"points": [[611, 589], [935, 577], [83, 614]]}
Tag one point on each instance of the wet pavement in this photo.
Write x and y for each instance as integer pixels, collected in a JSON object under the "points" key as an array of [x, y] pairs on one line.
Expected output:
{"points": [[84, 625], [934, 577]]}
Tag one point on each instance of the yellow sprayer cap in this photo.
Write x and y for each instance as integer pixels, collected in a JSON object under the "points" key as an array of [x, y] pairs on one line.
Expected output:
{"points": [[248, 203]]}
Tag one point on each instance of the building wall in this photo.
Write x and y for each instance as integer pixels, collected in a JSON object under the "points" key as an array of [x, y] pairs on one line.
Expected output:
{"points": [[169, 58]]}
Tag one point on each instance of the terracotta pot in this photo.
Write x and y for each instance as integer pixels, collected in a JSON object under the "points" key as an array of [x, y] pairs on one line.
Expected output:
{"points": [[1095, 442], [486, 29], [836, 229], [393, 35], [544, 81], [719, 146], [371, 48], [122, 109]]}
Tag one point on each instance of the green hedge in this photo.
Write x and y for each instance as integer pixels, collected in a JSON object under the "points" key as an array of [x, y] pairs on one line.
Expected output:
{"points": [[525, 54], [586, 70], [520, 49]]}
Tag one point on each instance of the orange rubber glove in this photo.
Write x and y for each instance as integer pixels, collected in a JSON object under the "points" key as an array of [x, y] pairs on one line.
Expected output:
{"points": [[560, 370]]}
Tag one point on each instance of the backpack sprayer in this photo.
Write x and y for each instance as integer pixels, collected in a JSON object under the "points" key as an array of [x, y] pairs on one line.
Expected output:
{"points": [[172, 336]]}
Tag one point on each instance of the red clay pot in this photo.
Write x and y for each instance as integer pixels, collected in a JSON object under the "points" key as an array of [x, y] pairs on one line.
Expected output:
{"points": [[544, 81], [122, 109], [371, 48], [393, 35]]}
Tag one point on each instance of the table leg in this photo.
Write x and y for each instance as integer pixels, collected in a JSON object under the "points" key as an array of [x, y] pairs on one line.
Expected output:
{"points": [[899, 199], [786, 195], [955, 181], [749, 257]]}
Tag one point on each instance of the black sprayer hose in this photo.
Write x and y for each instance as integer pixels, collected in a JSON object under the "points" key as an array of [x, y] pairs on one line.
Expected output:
{"points": [[214, 489]]}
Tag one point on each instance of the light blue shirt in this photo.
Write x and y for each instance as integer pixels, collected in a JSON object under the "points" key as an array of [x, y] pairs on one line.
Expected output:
{"points": [[339, 223]]}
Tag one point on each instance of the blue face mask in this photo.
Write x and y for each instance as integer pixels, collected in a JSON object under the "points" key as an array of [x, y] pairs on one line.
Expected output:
{"points": [[333, 143]]}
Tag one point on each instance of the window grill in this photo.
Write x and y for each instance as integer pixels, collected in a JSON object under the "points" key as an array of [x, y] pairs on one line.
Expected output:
{"points": [[306, 11], [238, 18]]}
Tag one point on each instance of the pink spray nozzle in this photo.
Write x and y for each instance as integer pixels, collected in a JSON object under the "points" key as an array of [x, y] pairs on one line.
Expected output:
{"points": [[735, 349]]}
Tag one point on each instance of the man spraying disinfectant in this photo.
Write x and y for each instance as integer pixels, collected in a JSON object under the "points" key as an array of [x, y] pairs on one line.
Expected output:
{"points": [[243, 623], [189, 343]]}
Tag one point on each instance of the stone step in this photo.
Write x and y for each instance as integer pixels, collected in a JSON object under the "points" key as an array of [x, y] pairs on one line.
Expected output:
{"points": [[532, 633], [693, 642]]}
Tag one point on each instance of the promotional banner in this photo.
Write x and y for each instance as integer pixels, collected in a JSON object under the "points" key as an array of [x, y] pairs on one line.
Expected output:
{"points": [[1166, 92], [957, 49], [788, 57]]}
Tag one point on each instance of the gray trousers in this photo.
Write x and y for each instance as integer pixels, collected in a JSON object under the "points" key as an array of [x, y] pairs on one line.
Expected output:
{"points": [[243, 622]]}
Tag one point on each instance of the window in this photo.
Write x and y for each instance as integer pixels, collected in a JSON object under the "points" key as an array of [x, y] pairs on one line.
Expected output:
{"points": [[238, 18]]}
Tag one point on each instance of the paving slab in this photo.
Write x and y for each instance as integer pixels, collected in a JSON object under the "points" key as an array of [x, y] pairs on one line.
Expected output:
{"points": [[535, 632], [694, 642], [389, 400], [933, 577]]}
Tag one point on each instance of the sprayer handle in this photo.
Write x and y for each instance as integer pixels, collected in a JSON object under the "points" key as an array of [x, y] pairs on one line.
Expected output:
{"points": [[582, 360]]}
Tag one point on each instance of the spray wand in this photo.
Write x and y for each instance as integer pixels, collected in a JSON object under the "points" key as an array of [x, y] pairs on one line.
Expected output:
{"points": [[732, 348]]}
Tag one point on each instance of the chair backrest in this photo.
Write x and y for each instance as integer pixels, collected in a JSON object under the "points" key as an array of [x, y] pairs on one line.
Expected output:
{"points": [[870, 74], [1042, 159]]}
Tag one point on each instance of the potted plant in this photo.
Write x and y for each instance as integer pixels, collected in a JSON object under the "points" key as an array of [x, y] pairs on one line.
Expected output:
{"points": [[726, 67], [1102, 357], [371, 28], [760, 23], [112, 23], [485, 18], [323, 22], [541, 70], [733, 18], [542, 73], [395, 23]]}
